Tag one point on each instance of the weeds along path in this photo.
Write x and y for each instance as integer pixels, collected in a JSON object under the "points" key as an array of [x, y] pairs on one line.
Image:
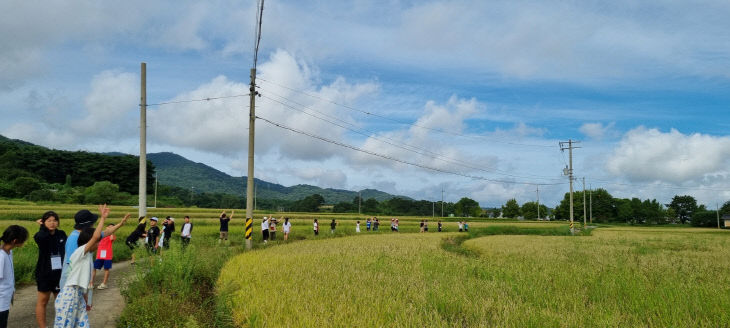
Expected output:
{"points": [[108, 303]]}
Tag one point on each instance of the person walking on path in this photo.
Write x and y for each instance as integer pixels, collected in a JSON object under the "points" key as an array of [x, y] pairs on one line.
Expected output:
{"points": [[153, 236], [333, 225], [357, 227], [421, 226], [461, 226], [265, 229], [376, 225], [139, 232], [397, 225], [440, 226], [272, 228], [169, 228], [368, 222], [425, 225], [51, 243], [466, 227], [316, 227], [287, 228], [104, 257], [74, 300], [14, 236], [187, 229], [224, 226]]}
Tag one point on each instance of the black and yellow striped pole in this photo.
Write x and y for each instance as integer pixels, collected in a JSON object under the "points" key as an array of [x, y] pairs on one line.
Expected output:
{"points": [[249, 228]]}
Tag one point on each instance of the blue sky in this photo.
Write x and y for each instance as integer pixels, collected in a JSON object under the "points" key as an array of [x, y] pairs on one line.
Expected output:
{"points": [[643, 86]]}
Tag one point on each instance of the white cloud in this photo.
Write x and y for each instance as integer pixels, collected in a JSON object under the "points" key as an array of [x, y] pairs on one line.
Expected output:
{"points": [[597, 131], [651, 155], [109, 105]]}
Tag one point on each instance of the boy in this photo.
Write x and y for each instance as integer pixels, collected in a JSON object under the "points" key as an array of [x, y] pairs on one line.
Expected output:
{"points": [[224, 226], [186, 230], [153, 236], [169, 229], [103, 258]]}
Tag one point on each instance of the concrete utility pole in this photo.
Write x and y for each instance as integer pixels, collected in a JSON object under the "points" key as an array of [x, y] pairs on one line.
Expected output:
{"points": [[569, 173], [538, 201], [250, 182], [442, 202], [433, 209], [590, 193], [359, 203], [584, 203], [155, 189], [717, 209], [143, 141]]}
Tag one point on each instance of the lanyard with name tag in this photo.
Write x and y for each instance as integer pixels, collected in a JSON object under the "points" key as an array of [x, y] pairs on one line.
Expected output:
{"points": [[56, 262]]}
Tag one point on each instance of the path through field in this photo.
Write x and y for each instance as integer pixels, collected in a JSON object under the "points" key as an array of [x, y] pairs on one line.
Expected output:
{"points": [[108, 303]]}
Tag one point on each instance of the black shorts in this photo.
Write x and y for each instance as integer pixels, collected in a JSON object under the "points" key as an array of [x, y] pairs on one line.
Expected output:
{"points": [[131, 244], [49, 282]]}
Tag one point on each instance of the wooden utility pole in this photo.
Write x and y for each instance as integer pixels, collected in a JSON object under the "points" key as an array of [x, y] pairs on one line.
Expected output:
{"points": [[143, 141]]}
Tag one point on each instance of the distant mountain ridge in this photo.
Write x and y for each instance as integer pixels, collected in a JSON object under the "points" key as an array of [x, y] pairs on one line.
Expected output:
{"points": [[175, 170]]}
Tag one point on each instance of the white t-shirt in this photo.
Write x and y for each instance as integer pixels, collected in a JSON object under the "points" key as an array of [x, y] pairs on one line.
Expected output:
{"points": [[264, 225], [7, 280], [80, 268], [316, 225], [186, 229], [287, 227]]}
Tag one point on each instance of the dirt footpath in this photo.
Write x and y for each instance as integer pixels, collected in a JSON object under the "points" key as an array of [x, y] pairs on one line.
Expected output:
{"points": [[108, 303]]}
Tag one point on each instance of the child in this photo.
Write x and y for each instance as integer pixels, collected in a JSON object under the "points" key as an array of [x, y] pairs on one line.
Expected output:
{"points": [[316, 227], [357, 227], [440, 225], [265, 229], [186, 230], [153, 236], [376, 226], [368, 222], [224, 226], [51, 243], [287, 228], [422, 225], [169, 229], [138, 233], [333, 224], [103, 258], [14, 236], [425, 225], [466, 227], [461, 226], [272, 228], [73, 303]]}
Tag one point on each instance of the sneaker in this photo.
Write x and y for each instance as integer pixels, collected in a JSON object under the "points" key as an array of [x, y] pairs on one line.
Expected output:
{"points": [[102, 286]]}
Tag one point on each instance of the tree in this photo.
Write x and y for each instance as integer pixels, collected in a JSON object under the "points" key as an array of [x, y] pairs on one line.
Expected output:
{"points": [[370, 206], [529, 210], [704, 219], [309, 204], [467, 207], [684, 207], [344, 207], [102, 192], [511, 209], [725, 209], [24, 185]]}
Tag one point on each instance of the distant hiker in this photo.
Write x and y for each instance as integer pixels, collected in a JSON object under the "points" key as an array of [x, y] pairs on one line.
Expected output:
{"points": [[397, 225], [153, 236], [224, 226], [169, 229], [51, 243], [466, 227], [187, 229], [440, 226], [376, 225], [392, 224], [74, 300], [287, 228], [272, 228], [316, 227], [425, 225], [333, 224], [461, 226], [265, 229], [104, 257], [357, 227], [14, 236], [139, 232], [368, 222], [421, 226]]}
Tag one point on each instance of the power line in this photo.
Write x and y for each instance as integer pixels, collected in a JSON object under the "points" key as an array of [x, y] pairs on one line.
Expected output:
{"points": [[396, 159], [395, 143], [259, 17], [660, 186], [403, 122], [196, 100]]}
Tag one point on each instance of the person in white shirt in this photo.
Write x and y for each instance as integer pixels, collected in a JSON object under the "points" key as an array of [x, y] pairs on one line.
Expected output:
{"points": [[187, 229], [357, 227], [316, 227], [287, 228], [265, 229], [72, 303], [14, 236]]}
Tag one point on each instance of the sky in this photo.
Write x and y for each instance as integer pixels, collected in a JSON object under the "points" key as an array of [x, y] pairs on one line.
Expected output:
{"points": [[408, 97]]}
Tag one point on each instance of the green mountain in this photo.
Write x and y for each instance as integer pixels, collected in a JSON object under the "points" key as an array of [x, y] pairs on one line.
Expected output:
{"points": [[175, 170]]}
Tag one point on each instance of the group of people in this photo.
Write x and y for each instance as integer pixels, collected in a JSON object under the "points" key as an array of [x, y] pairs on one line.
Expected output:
{"points": [[268, 227], [67, 264]]}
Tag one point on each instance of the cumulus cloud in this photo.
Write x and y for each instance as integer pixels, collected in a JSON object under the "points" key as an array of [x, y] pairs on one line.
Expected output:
{"points": [[322, 177], [109, 106], [651, 155], [597, 131]]}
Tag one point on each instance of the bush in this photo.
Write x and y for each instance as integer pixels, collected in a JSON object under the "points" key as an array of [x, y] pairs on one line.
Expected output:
{"points": [[41, 195]]}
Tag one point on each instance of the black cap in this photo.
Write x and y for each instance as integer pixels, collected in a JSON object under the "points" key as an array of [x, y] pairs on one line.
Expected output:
{"points": [[84, 219]]}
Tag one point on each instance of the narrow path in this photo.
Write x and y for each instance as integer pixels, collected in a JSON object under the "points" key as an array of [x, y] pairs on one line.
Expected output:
{"points": [[108, 303]]}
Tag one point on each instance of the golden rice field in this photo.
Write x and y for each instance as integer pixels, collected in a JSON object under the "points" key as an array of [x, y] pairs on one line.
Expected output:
{"points": [[618, 277]]}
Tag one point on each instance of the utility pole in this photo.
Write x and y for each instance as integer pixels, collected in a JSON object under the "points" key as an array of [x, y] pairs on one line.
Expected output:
{"points": [[143, 141], [584, 203], [590, 193], [717, 210], [442, 202], [250, 181], [359, 202], [433, 209], [538, 201], [155, 189], [569, 172]]}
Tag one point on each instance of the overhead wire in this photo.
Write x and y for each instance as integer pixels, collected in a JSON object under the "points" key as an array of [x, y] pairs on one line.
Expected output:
{"points": [[391, 141], [403, 122], [196, 100], [282, 126]]}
